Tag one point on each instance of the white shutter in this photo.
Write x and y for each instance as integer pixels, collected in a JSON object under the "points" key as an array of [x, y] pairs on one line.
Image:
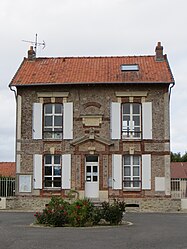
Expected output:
{"points": [[115, 120], [117, 171], [37, 121], [146, 171], [66, 171], [68, 121], [37, 171], [147, 120]]}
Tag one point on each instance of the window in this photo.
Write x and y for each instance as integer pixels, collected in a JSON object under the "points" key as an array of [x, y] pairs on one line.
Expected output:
{"points": [[129, 67], [53, 121], [131, 121], [52, 171], [131, 172]]}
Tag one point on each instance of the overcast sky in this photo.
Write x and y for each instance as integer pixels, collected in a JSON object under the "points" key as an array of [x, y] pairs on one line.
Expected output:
{"points": [[88, 28]]}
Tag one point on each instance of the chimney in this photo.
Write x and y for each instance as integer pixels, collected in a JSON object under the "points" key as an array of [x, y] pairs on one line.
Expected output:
{"points": [[31, 53], [159, 52]]}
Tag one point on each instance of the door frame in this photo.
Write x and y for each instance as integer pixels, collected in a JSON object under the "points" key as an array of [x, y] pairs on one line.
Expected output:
{"points": [[91, 187]]}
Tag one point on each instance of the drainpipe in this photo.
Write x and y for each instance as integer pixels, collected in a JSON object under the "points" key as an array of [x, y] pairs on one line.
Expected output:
{"points": [[15, 94]]}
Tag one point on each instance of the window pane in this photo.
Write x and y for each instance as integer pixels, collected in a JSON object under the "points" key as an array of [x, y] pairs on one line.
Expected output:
{"points": [[136, 120], [57, 171], [126, 122], [88, 169], [127, 160], [48, 135], [57, 135], [48, 182], [58, 121], [136, 171], [95, 169], [136, 160], [58, 108], [48, 121], [136, 182], [127, 182], [126, 108], [48, 170], [48, 159], [136, 108], [48, 108], [92, 159], [57, 182], [127, 171], [94, 178], [57, 159]]}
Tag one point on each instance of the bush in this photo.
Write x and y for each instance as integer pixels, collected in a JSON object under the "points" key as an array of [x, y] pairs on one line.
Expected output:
{"points": [[55, 213], [113, 213], [79, 213]]}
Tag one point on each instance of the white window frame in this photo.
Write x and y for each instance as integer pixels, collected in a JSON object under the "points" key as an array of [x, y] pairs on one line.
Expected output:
{"points": [[128, 131], [131, 175], [54, 134], [53, 176]]}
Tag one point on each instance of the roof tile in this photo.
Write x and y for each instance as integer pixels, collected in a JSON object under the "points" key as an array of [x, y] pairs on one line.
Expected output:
{"points": [[75, 70], [8, 169]]}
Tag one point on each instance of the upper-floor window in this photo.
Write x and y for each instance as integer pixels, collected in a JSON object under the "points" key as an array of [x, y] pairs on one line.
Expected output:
{"points": [[131, 121], [131, 171], [52, 171], [53, 121]]}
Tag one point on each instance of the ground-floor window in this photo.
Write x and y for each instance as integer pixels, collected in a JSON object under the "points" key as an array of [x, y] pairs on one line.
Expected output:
{"points": [[131, 172], [52, 171]]}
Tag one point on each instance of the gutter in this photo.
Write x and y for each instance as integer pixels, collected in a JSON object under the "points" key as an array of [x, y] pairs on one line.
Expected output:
{"points": [[171, 86], [13, 90], [89, 83]]}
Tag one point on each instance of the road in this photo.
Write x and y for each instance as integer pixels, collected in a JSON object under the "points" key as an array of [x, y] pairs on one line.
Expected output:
{"points": [[148, 231]]}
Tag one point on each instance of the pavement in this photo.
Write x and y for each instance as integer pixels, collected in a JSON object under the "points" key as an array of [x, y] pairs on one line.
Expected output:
{"points": [[146, 231]]}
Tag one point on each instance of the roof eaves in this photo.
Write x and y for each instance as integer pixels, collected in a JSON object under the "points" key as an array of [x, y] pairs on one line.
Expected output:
{"points": [[90, 83], [11, 83]]}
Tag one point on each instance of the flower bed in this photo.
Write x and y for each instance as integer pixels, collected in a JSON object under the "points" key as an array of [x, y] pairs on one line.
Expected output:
{"points": [[60, 212]]}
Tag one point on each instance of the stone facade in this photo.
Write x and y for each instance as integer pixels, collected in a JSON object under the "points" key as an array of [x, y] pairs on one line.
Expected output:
{"points": [[111, 138], [95, 102]]}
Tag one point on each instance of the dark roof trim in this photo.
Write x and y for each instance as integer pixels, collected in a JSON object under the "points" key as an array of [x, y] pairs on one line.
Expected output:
{"points": [[90, 83]]}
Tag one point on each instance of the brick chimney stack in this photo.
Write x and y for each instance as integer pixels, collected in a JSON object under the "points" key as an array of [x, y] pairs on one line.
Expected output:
{"points": [[159, 52], [31, 53]]}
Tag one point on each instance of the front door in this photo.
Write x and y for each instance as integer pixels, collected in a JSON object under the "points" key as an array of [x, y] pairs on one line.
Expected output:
{"points": [[91, 177]]}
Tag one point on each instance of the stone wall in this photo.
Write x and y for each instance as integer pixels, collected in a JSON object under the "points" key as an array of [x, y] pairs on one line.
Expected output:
{"points": [[95, 100], [144, 204]]}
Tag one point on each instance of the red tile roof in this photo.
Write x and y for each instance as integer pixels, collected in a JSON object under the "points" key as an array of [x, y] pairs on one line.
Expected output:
{"points": [[179, 170], [8, 169], [76, 70]]}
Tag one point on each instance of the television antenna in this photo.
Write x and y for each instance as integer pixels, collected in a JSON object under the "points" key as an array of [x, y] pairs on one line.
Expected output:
{"points": [[36, 43]]}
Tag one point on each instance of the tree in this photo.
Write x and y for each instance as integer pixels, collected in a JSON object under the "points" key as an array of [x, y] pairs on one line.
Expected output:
{"points": [[176, 157]]}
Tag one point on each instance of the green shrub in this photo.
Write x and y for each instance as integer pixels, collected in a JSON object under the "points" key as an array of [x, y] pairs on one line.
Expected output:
{"points": [[113, 213], [97, 215], [55, 213], [80, 212]]}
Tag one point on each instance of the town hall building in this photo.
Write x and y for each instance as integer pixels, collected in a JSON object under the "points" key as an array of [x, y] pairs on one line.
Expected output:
{"points": [[97, 125]]}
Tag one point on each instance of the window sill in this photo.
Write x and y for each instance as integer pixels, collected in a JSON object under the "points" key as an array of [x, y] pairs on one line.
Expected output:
{"points": [[52, 189], [131, 139], [53, 139], [131, 189]]}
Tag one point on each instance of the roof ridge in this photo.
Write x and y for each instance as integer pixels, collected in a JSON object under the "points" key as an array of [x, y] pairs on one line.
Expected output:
{"points": [[94, 56]]}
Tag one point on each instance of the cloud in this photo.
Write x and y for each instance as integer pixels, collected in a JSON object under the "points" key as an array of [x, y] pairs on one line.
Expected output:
{"points": [[93, 27]]}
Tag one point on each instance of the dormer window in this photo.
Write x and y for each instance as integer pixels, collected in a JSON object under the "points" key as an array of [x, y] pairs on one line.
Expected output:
{"points": [[129, 67]]}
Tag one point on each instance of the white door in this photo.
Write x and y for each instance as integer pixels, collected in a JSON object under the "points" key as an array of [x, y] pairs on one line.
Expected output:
{"points": [[91, 177]]}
